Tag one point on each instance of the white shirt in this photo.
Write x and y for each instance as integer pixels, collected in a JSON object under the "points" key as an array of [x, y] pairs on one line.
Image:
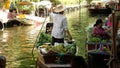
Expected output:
{"points": [[3, 16], [59, 25]]}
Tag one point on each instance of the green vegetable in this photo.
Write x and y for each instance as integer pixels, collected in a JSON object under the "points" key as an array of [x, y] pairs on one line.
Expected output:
{"points": [[43, 38], [58, 48], [94, 39], [71, 48], [104, 41]]}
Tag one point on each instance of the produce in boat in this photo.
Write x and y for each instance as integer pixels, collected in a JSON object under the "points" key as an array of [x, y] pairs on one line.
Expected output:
{"points": [[44, 38]]}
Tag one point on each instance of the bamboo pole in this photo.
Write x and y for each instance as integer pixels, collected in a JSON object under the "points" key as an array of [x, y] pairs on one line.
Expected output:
{"points": [[113, 63]]}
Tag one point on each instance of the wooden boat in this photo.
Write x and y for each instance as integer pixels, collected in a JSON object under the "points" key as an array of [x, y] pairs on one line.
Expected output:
{"points": [[99, 11], [97, 51], [59, 56], [96, 55]]}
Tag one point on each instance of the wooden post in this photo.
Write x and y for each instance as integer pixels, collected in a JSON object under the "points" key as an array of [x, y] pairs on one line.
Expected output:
{"points": [[113, 63]]}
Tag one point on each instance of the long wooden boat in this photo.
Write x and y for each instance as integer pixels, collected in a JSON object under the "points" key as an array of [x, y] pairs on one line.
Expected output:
{"points": [[100, 11]]}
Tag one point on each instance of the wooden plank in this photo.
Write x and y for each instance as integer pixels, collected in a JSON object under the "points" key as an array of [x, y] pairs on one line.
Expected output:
{"points": [[113, 60], [59, 65]]}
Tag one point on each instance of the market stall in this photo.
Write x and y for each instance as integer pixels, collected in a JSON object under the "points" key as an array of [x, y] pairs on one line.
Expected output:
{"points": [[25, 7]]}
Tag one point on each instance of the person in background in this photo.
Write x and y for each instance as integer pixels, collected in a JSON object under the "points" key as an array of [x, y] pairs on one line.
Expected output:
{"points": [[118, 7], [1, 11], [99, 31], [2, 61], [60, 25], [109, 22], [78, 62], [99, 5], [12, 18], [12, 14], [3, 17], [1, 24], [108, 9]]}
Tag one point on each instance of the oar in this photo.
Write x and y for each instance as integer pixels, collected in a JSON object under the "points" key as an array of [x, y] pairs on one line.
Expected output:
{"points": [[37, 37]]}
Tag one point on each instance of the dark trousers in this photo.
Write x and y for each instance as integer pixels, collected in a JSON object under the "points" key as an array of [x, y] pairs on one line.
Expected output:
{"points": [[61, 40], [1, 25]]}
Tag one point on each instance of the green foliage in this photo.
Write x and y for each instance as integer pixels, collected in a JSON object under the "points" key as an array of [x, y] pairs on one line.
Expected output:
{"points": [[68, 49], [43, 38], [59, 48], [48, 48], [94, 39], [56, 1], [1, 5], [66, 2], [89, 29], [71, 48]]}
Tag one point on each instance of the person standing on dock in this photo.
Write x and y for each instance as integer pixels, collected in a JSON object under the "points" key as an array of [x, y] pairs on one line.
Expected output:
{"points": [[60, 26]]}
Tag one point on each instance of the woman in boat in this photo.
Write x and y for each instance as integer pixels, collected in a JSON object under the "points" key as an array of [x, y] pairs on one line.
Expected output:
{"points": [[109, 22], [60, 26], [99, 31], [11, 15], [12, 18]]}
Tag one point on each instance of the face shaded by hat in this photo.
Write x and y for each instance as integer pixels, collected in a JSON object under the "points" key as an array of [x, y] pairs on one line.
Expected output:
{"points": [[59, 8]]}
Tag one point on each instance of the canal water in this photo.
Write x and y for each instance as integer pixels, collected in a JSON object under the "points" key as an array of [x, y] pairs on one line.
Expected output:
{"points": [[16, 43]]}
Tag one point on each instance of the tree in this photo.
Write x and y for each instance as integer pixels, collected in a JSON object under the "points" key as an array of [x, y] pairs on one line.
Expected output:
{"points": [[56, 1]]}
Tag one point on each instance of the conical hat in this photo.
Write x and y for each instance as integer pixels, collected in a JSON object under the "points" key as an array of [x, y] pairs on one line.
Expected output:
{"points": [[59, 8]]}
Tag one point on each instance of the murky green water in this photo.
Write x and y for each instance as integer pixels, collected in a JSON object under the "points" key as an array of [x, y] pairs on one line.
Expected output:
{"points": [[16, 45]]}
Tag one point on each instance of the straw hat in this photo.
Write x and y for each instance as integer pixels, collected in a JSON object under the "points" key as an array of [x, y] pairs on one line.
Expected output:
{"points": [[59, 8]]}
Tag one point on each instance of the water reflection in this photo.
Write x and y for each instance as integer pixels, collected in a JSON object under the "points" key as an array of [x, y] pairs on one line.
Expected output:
{"points": [[5, 36], [16, 44]]}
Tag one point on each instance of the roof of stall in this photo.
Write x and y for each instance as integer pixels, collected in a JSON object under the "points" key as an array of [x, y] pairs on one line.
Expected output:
{"points": [[47, 4], [25, 3]]}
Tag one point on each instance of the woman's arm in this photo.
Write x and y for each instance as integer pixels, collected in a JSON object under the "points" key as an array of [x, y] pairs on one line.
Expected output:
{"points": [[108, 30]]}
